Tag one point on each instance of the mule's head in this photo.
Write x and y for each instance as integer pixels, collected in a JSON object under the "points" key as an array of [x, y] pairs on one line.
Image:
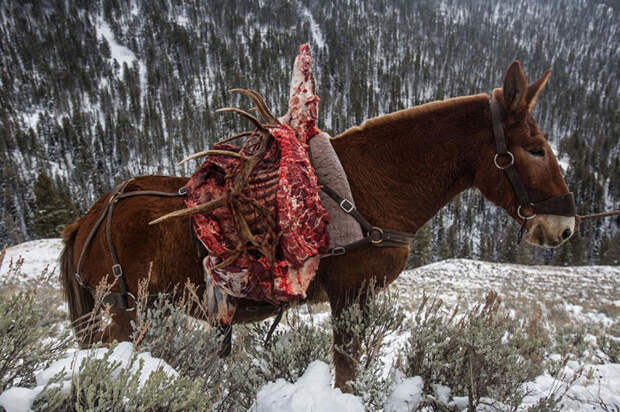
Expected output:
{"points": [[534, 162]]}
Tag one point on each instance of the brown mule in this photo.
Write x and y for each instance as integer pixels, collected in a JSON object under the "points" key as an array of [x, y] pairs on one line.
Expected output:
{"points": [[402, 167]]}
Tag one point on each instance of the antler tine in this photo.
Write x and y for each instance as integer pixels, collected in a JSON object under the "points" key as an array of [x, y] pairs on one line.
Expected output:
{"points": [[259, 101], [204, 207], [236, 136], [211, 152], [247, 115]]}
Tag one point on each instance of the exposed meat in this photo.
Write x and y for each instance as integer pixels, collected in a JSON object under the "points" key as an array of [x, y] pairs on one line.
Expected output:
{"points": [[280, 204]]}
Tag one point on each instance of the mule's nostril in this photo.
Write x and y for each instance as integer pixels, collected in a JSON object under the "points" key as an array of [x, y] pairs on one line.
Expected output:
{"points": [[566, 234]]}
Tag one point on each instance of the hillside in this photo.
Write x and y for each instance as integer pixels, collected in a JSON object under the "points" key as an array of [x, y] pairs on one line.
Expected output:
{"points": [[94, 92], [578, 306]]}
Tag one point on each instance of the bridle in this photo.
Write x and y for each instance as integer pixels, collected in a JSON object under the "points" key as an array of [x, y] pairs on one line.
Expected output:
{"points": [[561, 205]]}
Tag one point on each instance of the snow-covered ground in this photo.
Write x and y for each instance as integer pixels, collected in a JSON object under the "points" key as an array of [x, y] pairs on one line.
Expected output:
{"points": [[32, 258], [589, 294]]}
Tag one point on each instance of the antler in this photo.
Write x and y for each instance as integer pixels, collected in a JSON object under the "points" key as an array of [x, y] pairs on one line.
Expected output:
{"points": [[247, 115], [260, 104], [249, 163], [236, 136], [211, 152], [204, 207]]}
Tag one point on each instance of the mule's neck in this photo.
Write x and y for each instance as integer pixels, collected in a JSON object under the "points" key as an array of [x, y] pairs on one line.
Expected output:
{"points": [[405, 166]]}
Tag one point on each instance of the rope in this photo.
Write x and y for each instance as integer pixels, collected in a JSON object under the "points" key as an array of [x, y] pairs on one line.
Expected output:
{"points": [[597, 215]]}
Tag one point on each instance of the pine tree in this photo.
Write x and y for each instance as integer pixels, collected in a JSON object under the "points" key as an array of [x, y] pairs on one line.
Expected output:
{"points": [[53, 210], [421, 248]]}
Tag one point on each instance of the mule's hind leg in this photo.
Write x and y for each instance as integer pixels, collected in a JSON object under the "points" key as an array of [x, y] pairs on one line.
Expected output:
{"points": [[120, 328]]}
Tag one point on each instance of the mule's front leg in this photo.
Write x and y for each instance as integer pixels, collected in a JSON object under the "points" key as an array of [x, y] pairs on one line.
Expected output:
{"points": [[346, 353]]}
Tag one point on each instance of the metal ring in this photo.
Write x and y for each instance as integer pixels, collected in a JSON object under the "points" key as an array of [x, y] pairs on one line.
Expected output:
{"points": [[526, 217], [512, 160], [131, 295], [378, 230]]}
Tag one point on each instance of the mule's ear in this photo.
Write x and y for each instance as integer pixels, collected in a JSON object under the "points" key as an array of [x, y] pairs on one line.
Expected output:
{"points": [[535, 88], [515, 87]]}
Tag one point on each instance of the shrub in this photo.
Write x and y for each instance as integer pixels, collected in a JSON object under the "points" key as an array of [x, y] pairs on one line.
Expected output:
{"points": [[26, 343], [192, 346], [290, 350], [483, 353], [102, 385], [371, 320]]}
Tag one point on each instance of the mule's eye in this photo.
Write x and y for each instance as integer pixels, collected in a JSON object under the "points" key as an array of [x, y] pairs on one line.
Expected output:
{"points": [[539, 153]]}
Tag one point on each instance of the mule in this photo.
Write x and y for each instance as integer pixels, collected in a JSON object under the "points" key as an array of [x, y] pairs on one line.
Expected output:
{"points": [[403, 167]]}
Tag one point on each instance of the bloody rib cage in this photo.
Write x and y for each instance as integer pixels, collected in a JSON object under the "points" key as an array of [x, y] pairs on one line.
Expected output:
{"points": [[262, 222]]}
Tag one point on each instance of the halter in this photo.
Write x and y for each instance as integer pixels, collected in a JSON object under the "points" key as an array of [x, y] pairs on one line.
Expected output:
{"points": [[561, 205]]}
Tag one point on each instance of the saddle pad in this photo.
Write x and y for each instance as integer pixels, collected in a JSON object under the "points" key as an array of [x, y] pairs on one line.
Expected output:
{"points": [[343, 229]]}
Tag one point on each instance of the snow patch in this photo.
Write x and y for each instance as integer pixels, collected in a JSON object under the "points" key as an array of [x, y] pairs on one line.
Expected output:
{"points": [[119, 52], [317, 35], [312, 392], [34, 257], [597, 383], [406, 395], [20, 399]]}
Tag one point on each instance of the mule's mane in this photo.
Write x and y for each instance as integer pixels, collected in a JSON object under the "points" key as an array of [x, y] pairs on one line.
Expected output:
{"points": [[411, 113]]}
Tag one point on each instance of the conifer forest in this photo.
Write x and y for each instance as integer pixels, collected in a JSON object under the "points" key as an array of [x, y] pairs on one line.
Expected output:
{"points": [[94, 92]]}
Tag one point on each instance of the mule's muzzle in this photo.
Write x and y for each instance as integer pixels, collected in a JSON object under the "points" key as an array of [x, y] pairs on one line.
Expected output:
{"points": [[549, 231]]}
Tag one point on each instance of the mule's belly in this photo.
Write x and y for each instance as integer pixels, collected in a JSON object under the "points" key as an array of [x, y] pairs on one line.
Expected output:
{"points": [[339, 277]]}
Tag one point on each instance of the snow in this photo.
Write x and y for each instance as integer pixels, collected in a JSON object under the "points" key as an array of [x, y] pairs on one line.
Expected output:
{"points": [[406, 395], [119, 52], [38, 256], [577, 288], [315, 29], [20, 399], [312, 392], [442, 392], [598, 382]]}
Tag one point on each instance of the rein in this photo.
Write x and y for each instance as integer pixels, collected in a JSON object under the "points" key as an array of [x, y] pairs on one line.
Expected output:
{"points": [[598, 215]]}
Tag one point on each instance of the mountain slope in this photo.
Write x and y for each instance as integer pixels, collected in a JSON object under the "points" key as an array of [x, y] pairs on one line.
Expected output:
{"points": [[94, 92]]}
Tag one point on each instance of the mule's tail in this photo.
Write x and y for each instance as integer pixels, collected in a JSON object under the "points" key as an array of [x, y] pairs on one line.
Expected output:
{"points": [[79, 299]]}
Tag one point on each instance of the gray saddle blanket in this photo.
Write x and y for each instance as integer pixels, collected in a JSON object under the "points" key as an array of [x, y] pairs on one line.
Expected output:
{"points": [[343, 229]]}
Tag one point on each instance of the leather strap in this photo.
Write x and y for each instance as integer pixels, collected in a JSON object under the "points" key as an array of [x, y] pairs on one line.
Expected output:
{"points": [[502, 151], [562, 205], [347, 206], [373, 236], [115, 299]]}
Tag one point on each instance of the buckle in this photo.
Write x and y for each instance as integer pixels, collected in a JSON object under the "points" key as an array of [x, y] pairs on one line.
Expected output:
{"points": [[512, 160], [379, 232], [347, 206], [182, 191], [337, 251], [117, 271]]}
